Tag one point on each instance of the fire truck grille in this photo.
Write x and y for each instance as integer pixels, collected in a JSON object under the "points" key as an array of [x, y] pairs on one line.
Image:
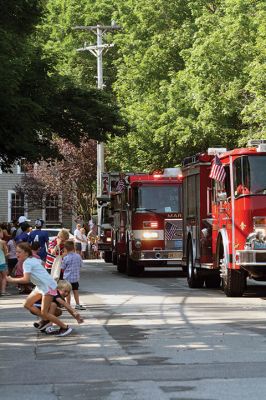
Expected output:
{"points": [[173, 234], [252, 257]]}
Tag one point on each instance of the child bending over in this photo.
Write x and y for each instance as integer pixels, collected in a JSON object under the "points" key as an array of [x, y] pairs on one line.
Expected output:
{"points": [[63, 290], [45, 289]]}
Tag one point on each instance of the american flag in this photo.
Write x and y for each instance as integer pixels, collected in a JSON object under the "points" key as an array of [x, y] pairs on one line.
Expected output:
{"points": [[217, 170], [121, 185], [171, 231]]}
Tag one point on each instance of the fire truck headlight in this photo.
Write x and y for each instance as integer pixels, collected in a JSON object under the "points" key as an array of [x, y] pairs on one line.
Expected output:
{"points": [[108, 239], [150, 235], [137, 244]]}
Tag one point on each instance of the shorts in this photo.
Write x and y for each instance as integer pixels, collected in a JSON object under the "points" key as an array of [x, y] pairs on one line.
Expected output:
{"points": [[11, 262], [51, 292], [3, 267], [75, 285], [78, 246]]}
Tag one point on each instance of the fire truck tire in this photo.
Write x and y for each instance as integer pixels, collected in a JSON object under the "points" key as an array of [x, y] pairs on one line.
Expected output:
{"points": [[108, 256], [121, 264], [212, 281], [193, 279], [132, 268], [114, 257], [234, 283]]}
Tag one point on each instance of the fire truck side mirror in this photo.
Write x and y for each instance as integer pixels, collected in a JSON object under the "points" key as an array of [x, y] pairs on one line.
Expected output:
{"points": [[221, 196]]}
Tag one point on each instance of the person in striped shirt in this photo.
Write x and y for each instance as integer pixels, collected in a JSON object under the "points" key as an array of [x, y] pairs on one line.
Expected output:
{"points": [[56, 248]]}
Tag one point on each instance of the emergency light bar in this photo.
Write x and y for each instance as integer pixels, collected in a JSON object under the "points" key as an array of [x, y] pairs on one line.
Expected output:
{"points": [[150, 224], [256, 142], [212, 151], [168, 172]]}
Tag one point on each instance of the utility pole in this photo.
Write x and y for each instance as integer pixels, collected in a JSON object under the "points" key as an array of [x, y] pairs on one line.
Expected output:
{"points": [[97, 50]]}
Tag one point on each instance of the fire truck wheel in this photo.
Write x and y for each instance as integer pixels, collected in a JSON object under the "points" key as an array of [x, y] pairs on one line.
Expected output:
{"points": [[114, 257], [121, 264], [234, 283], [132, 268], [212, 281], [108, 256], [193, 280]]}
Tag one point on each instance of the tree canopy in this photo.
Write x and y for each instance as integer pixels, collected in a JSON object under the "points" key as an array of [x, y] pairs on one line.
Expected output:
{"points": [[39, 102], [184, 74], [189, 75]]}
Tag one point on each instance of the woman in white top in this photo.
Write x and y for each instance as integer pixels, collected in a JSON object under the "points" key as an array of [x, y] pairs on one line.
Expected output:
{"points": [[45, 288], [78, 239], [84, 243]]}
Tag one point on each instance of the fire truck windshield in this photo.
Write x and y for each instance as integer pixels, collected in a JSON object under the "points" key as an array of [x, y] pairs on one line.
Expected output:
{"points": [[249, 175], [158, 198]]}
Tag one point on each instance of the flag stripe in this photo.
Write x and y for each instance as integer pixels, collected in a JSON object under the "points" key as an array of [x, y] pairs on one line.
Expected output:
{"points": [[121, 185], [217, 170], [171, 231]]}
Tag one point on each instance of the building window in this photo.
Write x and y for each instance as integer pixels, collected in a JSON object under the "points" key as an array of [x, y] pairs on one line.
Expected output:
{"points": [[16, 205], [22, 166], [52, 209]]}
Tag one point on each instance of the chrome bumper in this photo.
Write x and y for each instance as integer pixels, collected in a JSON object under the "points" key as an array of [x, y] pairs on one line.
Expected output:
{"points": [[157, 255], [251, 257]]}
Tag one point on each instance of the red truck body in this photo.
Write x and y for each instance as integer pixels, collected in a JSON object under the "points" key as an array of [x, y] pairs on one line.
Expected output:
{"points": [[147, 222], [225, 222]]}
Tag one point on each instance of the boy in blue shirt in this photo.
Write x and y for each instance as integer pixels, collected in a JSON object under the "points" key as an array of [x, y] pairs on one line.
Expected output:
{"points": [[37, 235]]}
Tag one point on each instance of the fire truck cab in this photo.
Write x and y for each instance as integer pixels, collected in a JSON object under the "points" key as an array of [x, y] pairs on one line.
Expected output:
{"points": [[224, 226], [147, 229]]}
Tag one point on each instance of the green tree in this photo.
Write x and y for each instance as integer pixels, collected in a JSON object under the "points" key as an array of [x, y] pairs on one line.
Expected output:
{"points": [[190, 75], [37, 100]]}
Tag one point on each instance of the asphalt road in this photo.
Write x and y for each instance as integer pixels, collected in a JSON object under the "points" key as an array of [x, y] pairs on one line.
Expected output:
{"points": [[143, 338]]}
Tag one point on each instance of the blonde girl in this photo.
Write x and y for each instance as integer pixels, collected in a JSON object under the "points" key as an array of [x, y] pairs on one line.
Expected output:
{"points": [[56, 248]]}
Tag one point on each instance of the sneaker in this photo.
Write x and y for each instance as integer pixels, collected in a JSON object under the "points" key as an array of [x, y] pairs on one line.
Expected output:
{"points": [[80, 307], [63, 332], [43, 325], [37, 324], [51, 330]]}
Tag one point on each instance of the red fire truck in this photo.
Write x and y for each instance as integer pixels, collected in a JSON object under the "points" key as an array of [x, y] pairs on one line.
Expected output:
{"points": [[224, 228], [147, 227]]}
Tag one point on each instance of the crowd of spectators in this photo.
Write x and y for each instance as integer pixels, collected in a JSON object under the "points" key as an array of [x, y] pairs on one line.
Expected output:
{"points": [[36, 265]]}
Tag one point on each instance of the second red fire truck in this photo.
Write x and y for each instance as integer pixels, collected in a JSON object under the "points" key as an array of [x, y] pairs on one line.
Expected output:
{"points": [[147, 221], [224, 233]]}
